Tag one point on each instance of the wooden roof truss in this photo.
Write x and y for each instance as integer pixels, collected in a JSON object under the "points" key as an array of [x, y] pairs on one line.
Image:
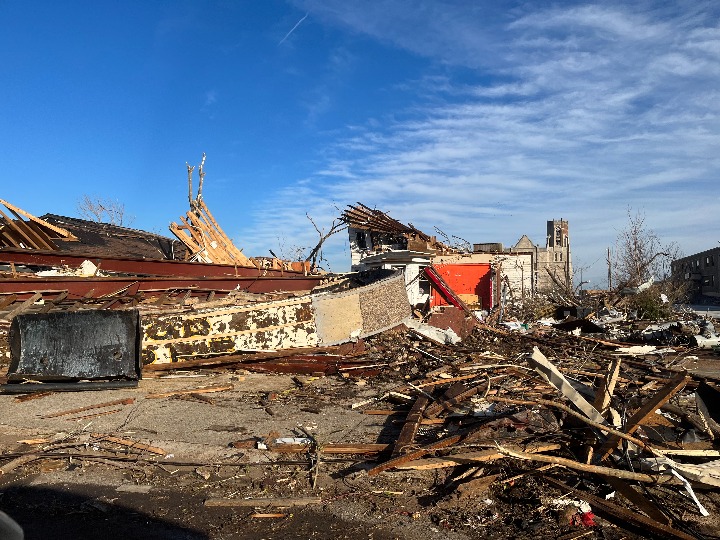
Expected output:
{"points": [[29, 233]]}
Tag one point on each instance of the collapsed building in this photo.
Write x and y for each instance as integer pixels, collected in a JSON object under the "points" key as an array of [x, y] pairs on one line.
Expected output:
{"points": [[483, 278], [82, 300]]}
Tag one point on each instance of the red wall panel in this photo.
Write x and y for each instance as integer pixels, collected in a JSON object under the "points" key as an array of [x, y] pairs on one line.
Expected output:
{"points": [[469, 278]]}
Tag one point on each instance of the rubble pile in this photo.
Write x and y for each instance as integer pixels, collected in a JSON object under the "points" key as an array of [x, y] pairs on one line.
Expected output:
{"points": [[507, 433]]}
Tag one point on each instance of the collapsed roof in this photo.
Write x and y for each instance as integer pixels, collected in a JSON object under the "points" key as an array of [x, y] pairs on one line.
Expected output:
{"points": [[368, 219]]}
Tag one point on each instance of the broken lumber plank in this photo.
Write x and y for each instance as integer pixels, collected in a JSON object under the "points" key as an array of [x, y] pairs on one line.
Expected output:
{"points": [[578, 466], [371, 448], [49, 305], [469, 458], [623, 515], [31, 396], [126, 401], [442, 381], [409, 429], [429, 422], [7, 300], [201, 390], [420, 452], [19, 237], [60, 231], [643, 413], [129, 443], [38, 241], [688, 453], [607, 386], [386, 412], [95, 415], [22, 307], [447, 404], [329, 351], [252, 503]]}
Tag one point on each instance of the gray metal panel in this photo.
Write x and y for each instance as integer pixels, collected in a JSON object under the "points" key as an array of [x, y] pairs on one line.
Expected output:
{"points": [[91, 344]]}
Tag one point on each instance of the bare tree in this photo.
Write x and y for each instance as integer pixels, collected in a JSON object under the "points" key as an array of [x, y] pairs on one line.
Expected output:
{"points": [[316, 253], [640, 253], [640, 256], [103, 210]]}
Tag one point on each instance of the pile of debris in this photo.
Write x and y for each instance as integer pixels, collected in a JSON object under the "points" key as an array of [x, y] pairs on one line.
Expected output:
{"points": [[540, 431], [564, 423]]}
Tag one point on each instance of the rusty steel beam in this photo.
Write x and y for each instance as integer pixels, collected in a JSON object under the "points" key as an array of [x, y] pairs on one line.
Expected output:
{"points": [[128, 265], [103, 286]]}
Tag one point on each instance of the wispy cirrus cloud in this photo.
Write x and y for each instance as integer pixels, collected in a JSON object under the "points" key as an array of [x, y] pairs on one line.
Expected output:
{"points": [[589, 110]]}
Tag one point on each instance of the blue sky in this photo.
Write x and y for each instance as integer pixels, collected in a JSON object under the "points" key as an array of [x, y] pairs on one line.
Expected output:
{"points": [[485, 119]]}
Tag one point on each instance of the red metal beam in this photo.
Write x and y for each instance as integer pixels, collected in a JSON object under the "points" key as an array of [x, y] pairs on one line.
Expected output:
{"points": [[100, 286], [128, 265]]}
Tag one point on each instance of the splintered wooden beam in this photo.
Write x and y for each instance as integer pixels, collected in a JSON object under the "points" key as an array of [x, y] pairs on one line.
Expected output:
{"points": [[643, 413], [29, 231], [61, 232], [130, 443], [578, 466], [205, 390], [5, 302], [409, 429], [607, 386], [330, 448], [11, 465], [451, 401], [21, 234], [22, 307], [50, 304], [417, 454], [127, 401], [184, 237], [220, 235], [469, 458]]}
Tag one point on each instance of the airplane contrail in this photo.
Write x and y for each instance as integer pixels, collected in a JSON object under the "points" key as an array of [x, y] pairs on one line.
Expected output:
{"points": [[293, 28]]}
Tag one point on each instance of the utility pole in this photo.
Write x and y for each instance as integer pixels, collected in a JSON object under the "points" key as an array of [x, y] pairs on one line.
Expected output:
{"points": [[609, 263]]}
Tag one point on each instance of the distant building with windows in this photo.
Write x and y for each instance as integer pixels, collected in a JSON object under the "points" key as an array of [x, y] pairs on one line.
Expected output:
{"points": [[700, 271]]}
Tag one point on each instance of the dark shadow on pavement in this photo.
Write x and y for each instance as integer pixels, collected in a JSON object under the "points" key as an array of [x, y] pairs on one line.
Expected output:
{"points": [[47, 513]]}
